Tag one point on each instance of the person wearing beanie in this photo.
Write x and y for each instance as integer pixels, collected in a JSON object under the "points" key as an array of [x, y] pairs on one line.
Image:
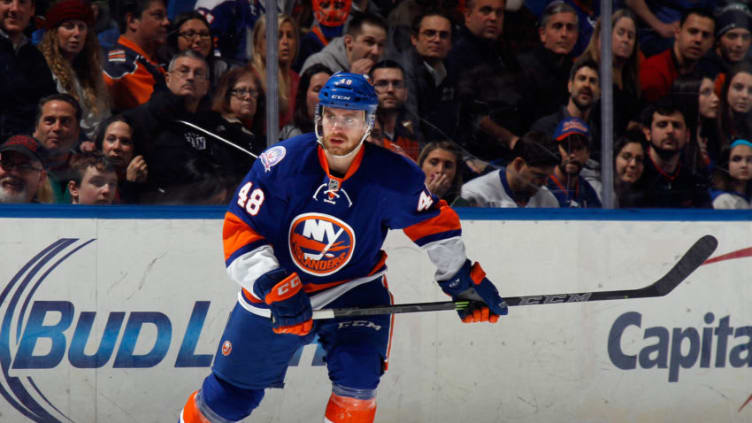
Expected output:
{"points": [[71, 49], [732, 40]]}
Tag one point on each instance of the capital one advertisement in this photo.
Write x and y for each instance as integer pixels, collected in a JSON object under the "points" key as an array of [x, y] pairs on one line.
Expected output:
{"points": [[118, 320]]}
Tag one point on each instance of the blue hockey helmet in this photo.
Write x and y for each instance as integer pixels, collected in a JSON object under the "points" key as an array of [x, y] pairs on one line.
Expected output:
{"points": [[350, 91]]}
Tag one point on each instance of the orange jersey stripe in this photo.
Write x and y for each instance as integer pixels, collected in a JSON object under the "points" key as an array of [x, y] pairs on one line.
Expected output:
{"points": [[237, 234], [446, 221]]}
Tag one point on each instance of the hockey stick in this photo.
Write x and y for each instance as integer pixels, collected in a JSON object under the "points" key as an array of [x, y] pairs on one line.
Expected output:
{"points": [[690, 261]]}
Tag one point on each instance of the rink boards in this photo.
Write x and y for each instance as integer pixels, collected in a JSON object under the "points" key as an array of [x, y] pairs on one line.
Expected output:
{"points": [[114, 315]]}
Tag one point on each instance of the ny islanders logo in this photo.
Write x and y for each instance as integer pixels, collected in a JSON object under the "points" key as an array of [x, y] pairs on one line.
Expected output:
{"points": [[320, 244]]}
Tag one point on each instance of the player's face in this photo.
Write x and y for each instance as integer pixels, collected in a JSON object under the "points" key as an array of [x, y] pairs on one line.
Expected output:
{"points": [[574, 153], [57, 127], [97, 187], [438, 163], [117, 144], [312, 95], [623, 38], [734, 44], [739, 95], [560, 33], [740, 163], [584, 89], [71, 37], [369, 44], [189, 77], [343, 130], [695, 37], [630, 162], [486, 18], [434, 38], [708, 99], [194, 35], [244, 98], [15, 15], [389, 84], [668, 132], [20, 177]]}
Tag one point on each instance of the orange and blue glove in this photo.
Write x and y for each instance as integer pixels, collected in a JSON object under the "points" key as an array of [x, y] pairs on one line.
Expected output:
{"points": [[470, 283], [289, 304]]}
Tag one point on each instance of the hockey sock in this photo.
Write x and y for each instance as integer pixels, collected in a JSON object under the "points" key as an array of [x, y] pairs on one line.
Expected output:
{"points": [[343, 409]]}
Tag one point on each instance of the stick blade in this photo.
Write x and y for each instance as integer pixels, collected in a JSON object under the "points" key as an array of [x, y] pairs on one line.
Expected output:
{"points": [[700, 251]]}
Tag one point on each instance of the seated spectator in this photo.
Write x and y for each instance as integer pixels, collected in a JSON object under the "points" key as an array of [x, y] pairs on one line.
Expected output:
{"points": [[736, 105], [356, 51], [431, 89], [732, 181], [287, 79], [93, 180], [547, 67], [659, 22], [238, 117], [72, 52], [58, 129], [388, 80], [567, 183], [700, 105], [584, 91], [626, 83], [522, 182], [168, 134], [192, 31], [22, 171], [105, 26], [441, 161], [693, 38], [26, 78], [115, 141], [668, 184], [305, 101], [132, 71], [488, 96], [732, 40], [232, 22], [330, 17], [629, 164]]}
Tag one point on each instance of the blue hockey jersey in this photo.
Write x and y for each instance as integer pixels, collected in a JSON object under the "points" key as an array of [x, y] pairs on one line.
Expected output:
{"points": [[289, 211]]}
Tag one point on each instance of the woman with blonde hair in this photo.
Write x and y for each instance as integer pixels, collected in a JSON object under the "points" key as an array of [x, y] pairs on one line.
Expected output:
{"points": [[288, 79], [72, 52], [626, 87]]}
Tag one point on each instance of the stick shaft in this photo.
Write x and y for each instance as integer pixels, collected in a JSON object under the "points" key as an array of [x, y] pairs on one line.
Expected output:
{"points": [[688, 263]]}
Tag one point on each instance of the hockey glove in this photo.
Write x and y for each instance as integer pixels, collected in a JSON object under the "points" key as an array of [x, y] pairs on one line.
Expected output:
{"points": [[289, 304], [470, 283]]}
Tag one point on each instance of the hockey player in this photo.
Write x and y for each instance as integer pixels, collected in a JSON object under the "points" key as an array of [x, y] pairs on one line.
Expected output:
{"points": [[304, 232]]}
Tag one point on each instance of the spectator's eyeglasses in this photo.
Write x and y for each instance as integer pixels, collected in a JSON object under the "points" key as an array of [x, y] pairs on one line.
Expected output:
{"points": [[244, 92], [430, 33], [382, 84], [8, 164], [190, 35], [185, 72]]}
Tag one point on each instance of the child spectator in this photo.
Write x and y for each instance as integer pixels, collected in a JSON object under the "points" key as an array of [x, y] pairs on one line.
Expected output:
{"points": [[732, 188], [94, 180], [629, 163]]}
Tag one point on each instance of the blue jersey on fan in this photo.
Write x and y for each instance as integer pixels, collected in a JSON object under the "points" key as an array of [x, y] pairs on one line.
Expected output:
{"points": [[291, 212]]}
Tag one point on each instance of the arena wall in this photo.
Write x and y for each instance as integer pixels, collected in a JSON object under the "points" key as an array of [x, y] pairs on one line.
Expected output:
{"points": [[113, 315]]}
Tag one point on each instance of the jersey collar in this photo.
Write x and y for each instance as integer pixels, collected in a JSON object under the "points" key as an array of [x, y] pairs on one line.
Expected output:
{"points": [[354, 166]]}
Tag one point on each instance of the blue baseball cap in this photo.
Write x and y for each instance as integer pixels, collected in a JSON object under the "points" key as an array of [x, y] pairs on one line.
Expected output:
{"points": [[571, 126]]}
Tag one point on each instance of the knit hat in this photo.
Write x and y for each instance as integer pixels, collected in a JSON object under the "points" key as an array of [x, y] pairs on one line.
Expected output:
{"points": [[67, 10], [732, 16]]}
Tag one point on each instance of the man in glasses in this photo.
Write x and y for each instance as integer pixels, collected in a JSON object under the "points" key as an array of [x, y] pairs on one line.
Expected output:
{"points": [[21, 169], [304, 232], [398, 127]]}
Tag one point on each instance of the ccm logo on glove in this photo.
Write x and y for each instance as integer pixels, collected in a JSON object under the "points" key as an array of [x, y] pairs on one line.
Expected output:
{"points": [[284, 289]]}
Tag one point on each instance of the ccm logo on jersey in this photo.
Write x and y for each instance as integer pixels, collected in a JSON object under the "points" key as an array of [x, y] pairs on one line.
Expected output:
{"points": [[320, 244], [272, 157]]}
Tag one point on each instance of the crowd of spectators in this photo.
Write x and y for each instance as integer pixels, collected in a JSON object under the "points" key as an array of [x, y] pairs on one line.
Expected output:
{"points": [[497, 101]]}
